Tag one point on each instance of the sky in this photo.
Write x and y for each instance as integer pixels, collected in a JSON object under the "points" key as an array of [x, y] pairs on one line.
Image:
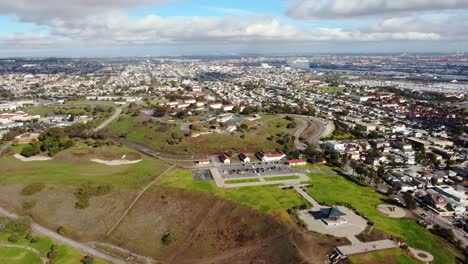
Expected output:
{"points": [[102, 28]]}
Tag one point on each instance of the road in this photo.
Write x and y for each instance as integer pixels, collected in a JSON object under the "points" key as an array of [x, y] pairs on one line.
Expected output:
{"points": [[117, 113], [85, 249], [436, 219]]}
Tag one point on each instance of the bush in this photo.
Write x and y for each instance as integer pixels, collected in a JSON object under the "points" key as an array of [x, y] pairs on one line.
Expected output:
{"points": [[86, 191], [168, 239], [32, 188], [13, 238], [29, 151], [28, 205], [87, 260], [62, 230]]}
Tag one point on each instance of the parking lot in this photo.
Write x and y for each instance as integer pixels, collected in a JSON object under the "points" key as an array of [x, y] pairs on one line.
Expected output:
{"points": [[253, 170], [202, 175]]}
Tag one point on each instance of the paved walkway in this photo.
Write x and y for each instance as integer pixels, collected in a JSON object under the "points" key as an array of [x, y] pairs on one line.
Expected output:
{"points": [[366, 247], [85, 249]]}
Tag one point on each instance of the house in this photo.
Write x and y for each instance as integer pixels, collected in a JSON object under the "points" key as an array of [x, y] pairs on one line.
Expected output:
{"points": [[272, 157], [244, 158], [436, 199], [172, 104], [203, 162], [297, 162], [27, 138], [335, 145], [216, 105], [224, 159], [228, 107]]}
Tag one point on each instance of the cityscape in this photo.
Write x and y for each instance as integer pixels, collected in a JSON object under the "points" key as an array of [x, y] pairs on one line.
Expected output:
{"points": [[226, 147]]}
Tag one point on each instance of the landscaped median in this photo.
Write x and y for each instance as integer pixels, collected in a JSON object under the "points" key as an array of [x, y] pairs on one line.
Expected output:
{"points": [[234, 181], [282, 178]]}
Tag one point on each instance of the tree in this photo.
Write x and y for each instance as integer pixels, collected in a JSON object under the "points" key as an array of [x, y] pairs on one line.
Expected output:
{"points": [[159, 111], [410, 202], [88, 260]]}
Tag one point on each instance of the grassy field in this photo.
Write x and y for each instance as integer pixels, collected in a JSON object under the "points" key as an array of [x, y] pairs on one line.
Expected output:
{"points": [[266, 199], [18, 256], [156, 136], [241, 181], [395, 255], [70, 169], [66, 255], [334, 189], [282, 178]]}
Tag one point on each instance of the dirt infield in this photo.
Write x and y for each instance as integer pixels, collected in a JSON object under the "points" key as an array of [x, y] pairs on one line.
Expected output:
{"points": [[421, 255], [391, 211]]}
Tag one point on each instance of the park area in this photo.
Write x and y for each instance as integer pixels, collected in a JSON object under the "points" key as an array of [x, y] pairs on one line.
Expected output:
{"points": [[267, 134], [330, 189]]}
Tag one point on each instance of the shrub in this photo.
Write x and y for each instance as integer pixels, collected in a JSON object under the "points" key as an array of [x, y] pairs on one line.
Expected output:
{"points": [[168, 239], [32, 188], [86, 191], [87, 260], [28, 205], [62, 230], [13, 238]]}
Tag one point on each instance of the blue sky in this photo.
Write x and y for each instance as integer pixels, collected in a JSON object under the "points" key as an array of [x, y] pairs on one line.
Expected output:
{"points": [[173, 27]]}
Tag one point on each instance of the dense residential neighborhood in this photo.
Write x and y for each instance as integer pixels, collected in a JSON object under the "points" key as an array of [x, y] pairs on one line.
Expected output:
{"points": [[260, 122]]}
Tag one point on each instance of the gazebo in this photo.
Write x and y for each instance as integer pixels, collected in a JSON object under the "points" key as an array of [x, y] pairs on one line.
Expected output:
{"points": [[333, 216]]}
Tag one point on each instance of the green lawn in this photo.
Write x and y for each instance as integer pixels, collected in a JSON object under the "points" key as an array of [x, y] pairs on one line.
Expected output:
{"points": [[281, 178], [266, 199], [18, 256], [395, 255], [241, 181], [332, 189], [66, 255], [71, 172]]}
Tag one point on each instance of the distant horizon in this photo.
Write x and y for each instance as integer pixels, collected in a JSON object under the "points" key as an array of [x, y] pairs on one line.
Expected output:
{"points": [[459, 53], [109, 28]]}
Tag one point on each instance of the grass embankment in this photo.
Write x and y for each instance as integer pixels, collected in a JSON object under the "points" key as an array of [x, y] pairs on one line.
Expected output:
{"points": [[67, 168], [337, 189], [156, 136], [66, 255], [266, 199], [18, 256]]}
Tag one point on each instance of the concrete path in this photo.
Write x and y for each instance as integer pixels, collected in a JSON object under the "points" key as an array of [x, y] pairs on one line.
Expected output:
{"points": [[131, 255], [85, 249], [136, 200], [33, 250], [117, 113], [367, 247]]}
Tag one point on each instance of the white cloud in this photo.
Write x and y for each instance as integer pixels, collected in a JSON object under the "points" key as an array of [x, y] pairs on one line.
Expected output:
{"points": [[340, 9]]}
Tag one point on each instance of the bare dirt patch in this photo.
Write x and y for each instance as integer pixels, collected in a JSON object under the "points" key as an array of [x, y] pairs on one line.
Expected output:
{"points": [[207, 230], [55, 206]]}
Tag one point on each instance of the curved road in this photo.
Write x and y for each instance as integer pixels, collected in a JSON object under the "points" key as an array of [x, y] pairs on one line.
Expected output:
{"points": [[66, 241]]}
